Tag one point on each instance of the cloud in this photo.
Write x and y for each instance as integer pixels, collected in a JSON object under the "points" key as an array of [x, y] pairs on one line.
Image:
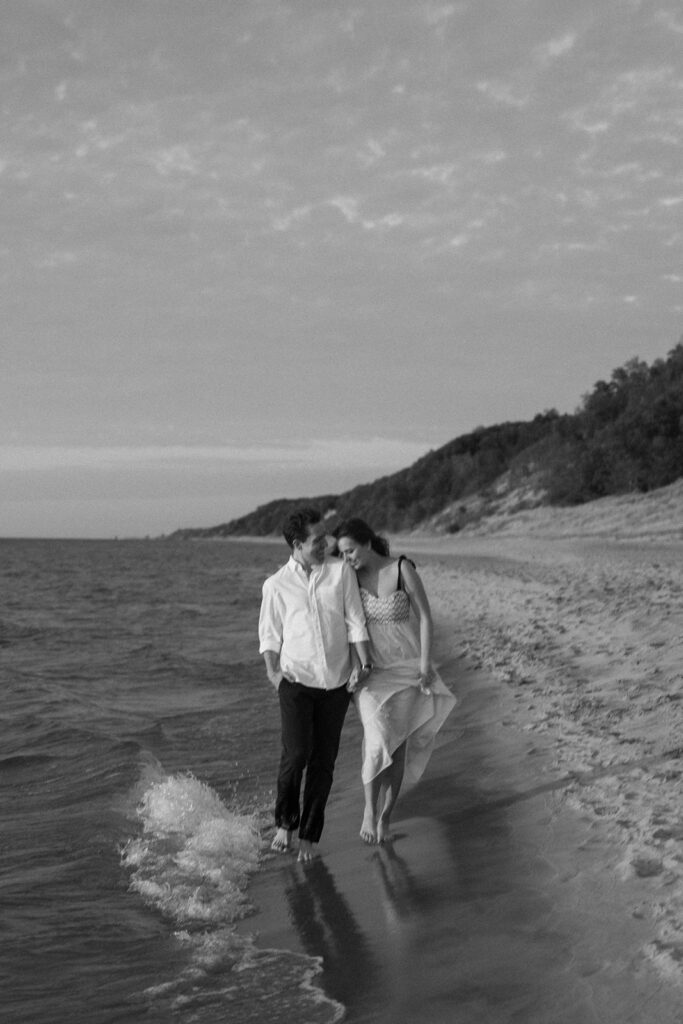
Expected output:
{"points": [[348, 207], [57, 259], [440, 173], [628, 94], [555, 48], [434, 14], [491, 157], [374, 152], [517, 92], [378, 454], [175, 160], [503, 93], [668, 19], [285, 222]]}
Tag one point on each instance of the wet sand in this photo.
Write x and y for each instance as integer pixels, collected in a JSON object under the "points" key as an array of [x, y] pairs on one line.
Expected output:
{"points": [[495, 903], [536, 874]]}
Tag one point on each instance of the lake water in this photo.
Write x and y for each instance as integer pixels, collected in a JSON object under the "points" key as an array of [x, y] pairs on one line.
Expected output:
{"points": [[140, 745]]}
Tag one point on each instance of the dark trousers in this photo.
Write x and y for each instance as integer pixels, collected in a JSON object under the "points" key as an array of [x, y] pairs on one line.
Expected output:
{"points": [[312, 722]]}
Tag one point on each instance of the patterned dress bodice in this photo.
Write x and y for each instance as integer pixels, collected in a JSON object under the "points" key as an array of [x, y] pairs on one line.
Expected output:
{"points": [[393, 608]]}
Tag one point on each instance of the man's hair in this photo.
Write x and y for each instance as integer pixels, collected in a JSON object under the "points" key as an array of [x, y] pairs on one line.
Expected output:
{"points": [[295, 526]]}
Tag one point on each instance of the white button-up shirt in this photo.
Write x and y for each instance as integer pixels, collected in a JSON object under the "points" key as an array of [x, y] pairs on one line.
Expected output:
{"points": [[311, 620]]}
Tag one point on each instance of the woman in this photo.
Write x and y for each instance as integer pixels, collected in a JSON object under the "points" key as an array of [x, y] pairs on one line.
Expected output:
{"points": [[404, 702]]}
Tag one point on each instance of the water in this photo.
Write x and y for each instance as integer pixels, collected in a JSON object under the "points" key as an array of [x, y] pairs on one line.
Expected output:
{"points": [[140, 742]]}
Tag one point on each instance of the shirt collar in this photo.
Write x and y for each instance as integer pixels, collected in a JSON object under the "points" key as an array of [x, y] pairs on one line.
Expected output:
{"points": [[297, 567]]}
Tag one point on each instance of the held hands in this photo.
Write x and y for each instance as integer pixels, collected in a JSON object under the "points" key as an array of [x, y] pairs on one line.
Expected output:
{"points": [[359, 674], [424, 681]]}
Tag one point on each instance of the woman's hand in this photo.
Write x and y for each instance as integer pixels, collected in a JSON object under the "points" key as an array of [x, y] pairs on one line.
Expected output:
{"points": [[359, 673], [424, 681]]}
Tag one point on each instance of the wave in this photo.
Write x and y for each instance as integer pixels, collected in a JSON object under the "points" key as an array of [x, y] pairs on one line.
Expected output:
{"points": [[194, 856], [23, 760], [192, 861]]}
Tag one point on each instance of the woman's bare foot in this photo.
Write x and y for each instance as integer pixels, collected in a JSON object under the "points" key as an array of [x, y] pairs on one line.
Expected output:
{"points": [[384, 834], [368, 830], [306, 851], [282, 841]]}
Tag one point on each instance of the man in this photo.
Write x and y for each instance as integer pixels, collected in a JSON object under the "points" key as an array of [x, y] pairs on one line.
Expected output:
{"points": [[311, 617]]}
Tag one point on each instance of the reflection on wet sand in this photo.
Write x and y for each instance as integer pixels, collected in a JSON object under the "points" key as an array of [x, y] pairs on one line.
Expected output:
{"points": [[404, 899], [328, 929], [402, 893]]}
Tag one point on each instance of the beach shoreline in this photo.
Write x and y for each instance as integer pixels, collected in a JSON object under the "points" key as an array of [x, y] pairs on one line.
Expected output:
{"points": [[565, 656]]}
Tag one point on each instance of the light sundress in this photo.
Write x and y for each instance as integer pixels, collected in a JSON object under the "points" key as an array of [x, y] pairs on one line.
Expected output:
{"points": [[391, 705]]}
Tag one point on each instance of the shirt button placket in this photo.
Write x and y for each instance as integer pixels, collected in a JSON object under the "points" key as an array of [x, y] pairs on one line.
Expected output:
{"points": [[315, 615]]}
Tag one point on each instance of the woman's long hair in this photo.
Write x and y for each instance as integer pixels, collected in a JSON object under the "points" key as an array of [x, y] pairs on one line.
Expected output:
{"points": [[358, 530]]}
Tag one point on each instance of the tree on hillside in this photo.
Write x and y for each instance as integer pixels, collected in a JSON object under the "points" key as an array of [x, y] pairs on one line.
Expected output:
{"points": [[627, 436]]}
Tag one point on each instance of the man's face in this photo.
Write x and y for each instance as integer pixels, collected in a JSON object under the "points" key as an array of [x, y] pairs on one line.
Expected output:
{"points": [[312, 550]]}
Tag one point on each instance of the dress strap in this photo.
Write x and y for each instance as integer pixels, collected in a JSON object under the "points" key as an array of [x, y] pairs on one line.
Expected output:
{"points": [[399, 582]]}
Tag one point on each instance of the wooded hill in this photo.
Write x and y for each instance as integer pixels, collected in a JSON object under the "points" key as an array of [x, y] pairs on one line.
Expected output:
{"points": [[626, 436]]}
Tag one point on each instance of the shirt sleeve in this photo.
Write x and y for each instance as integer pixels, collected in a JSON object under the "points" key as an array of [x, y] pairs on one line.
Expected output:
{"points": [[356, 629], [270, 621]]}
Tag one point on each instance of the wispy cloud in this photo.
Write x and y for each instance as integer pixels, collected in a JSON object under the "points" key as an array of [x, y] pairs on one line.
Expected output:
{"points": [[376, 453], [175, 160], [631, 92], [57, 259], [285, 221], [348, 206], [555, 48], [436, 14], [520, 87], [439, 173], [505, 94], [669, 20]]}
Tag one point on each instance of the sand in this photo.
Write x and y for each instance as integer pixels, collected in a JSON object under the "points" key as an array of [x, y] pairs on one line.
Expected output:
{"points": [[537, 871]]}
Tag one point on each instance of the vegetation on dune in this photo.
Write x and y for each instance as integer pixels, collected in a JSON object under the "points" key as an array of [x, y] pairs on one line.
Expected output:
{"points": [[626, 436]]}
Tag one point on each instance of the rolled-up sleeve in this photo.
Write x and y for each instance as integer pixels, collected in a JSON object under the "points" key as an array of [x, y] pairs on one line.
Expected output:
{"points": [[270, 621], [356, 629]]}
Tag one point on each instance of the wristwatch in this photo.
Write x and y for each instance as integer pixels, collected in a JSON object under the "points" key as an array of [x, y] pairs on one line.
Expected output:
{"points": [[368, 668]]}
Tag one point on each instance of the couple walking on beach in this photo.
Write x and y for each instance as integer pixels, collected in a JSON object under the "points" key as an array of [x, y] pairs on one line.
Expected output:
{"points": [[358, 625]]}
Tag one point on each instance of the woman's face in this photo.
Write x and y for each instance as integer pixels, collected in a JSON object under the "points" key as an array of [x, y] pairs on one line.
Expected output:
{"points": [[353, 552]]}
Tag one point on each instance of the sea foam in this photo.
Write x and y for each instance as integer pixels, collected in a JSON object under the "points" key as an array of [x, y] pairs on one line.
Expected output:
{"points": [[194, 856], [192, 862]]}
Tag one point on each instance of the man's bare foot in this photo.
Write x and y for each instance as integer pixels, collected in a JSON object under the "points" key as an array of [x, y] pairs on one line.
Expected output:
{"points": [[368, 830], [384, 834], [282, 841], [306, 851]]}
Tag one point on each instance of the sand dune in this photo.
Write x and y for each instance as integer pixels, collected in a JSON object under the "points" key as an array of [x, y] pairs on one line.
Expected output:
{"points": [[655, 516]]}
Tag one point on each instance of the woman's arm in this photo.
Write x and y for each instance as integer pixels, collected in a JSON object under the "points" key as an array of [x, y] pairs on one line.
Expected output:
{"points": [[420, 603]]}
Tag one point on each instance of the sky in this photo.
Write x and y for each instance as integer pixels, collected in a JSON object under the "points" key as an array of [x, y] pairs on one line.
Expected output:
{"points": [[255, 249]]}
